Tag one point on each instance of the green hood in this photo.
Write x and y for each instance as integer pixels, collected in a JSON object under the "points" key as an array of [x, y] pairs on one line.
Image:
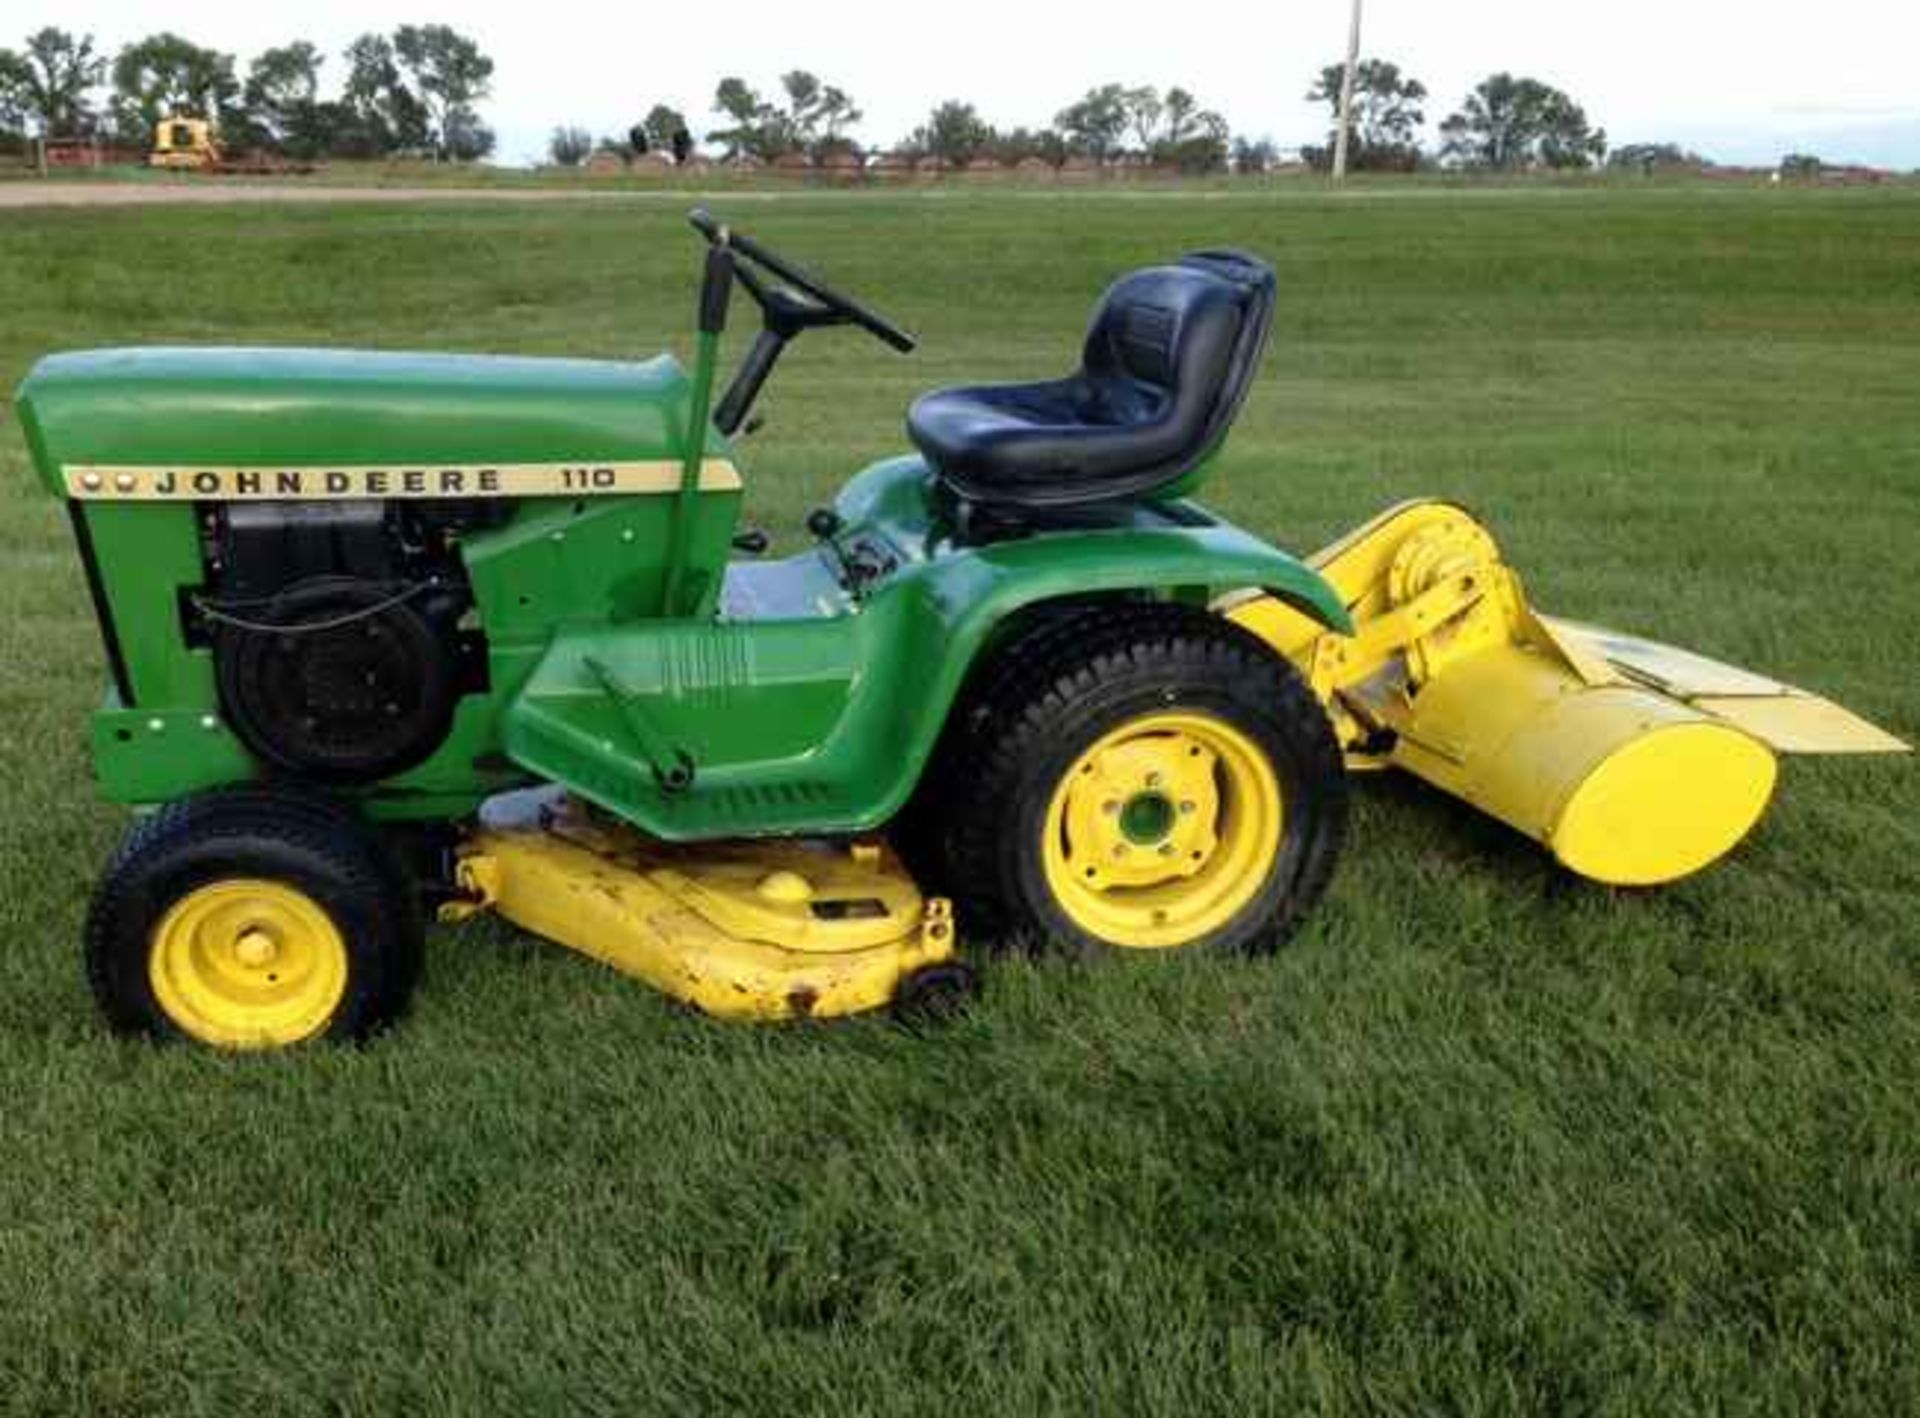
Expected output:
{"points": [[294, 407]]}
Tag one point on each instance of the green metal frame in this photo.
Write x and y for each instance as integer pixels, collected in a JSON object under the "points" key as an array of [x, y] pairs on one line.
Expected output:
{"points": [[626, 659]]}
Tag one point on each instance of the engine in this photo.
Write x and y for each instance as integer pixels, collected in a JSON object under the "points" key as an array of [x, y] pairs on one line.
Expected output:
{"points": [[336, 630]]}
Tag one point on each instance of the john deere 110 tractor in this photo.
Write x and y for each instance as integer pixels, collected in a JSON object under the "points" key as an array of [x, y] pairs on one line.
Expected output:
{"points": [[395, 634]]}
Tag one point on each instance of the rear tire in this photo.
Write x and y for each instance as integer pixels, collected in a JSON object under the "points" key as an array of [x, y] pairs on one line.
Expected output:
{"points": [[253, 918], [1157, 779]]}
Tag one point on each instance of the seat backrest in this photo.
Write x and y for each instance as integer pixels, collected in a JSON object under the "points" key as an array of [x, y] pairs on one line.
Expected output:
{"points": [[1191, 333]]}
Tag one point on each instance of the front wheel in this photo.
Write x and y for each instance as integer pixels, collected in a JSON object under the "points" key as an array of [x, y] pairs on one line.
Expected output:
{"points": [[1159, 780], [253, 918]]}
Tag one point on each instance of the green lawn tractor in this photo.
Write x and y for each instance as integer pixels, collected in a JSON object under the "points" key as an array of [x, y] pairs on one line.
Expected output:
{"points": [[395, 635]]}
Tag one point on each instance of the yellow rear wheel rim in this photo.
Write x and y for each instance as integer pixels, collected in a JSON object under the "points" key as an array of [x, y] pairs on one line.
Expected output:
{"points": [[1162, 831], [248, 963]]}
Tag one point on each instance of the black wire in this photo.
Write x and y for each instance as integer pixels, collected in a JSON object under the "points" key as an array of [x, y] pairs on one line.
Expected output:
{"points": [[219, 615]]}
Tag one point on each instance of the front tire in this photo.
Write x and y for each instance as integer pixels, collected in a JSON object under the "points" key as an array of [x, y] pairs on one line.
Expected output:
{"points": [[253, 918], [1159, 780]]}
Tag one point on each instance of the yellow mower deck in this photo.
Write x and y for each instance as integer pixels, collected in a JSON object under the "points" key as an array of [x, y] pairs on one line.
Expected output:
{"points": [[757, 930], [1633, 762]]}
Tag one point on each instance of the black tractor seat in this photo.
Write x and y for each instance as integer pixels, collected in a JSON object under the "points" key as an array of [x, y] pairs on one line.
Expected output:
{"points": [[1166, 365]]}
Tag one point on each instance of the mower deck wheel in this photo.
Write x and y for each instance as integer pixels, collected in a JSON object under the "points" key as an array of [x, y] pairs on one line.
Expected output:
{"points": [[936, 994], [253, 918]]}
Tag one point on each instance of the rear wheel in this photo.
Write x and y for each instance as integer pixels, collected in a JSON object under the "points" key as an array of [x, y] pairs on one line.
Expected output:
{"points": [[1159, 781], [253, 919]]}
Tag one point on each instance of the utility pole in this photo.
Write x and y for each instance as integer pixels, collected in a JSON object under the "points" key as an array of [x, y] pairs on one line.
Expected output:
{"points": [[1342, 138]]}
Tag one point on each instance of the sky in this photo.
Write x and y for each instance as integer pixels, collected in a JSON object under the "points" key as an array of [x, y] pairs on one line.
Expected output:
{"points": [[1739, 82]]}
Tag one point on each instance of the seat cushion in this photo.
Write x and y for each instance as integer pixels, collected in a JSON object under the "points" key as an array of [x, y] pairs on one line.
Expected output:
{"points": [[1164, 366]]}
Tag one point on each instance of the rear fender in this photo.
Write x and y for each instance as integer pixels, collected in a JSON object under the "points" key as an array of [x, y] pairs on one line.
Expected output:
{"points": [[954, 611], [824, 724]]}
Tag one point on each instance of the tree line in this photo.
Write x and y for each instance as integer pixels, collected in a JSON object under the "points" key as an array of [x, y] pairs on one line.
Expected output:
{"points": [[809, 118], [418, 90], [415, 90], [1505, 123]]}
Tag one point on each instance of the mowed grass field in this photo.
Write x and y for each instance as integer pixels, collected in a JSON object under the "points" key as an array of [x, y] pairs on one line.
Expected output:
{"points": [[1483, 1139]]}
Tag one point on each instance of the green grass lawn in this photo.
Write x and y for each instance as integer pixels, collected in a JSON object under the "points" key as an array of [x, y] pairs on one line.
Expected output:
{"points": [[1484, 1139]]}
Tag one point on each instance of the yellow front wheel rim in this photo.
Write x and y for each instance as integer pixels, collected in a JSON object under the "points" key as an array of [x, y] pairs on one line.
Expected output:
{"points": [[1163, 830], [248, 963]]}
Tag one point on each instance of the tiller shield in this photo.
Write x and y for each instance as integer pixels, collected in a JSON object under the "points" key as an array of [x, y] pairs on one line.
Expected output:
{"points": [[1633, 762]]}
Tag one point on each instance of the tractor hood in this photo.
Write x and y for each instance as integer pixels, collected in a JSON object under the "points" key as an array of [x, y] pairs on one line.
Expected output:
{"points": [[293, 409]]}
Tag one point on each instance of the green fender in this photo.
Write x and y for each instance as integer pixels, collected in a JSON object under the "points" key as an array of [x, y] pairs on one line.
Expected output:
{"points": [[823, 723]]}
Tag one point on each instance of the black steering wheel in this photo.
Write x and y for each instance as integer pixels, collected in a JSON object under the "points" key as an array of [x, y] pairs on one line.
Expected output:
{"points": [[829, 306]]}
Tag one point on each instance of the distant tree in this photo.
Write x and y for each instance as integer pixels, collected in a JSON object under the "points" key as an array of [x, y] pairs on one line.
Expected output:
{"points": [[1096, 125], [1254, 155], [1143, 107], [1649, 158], [1018, 144], [48, 84], [750, 119], [1387, 117], [378, 113], [1508, 124], [834, 114], [666, 129], [13, 108], [1206, 147], [1188, 137], [464, 137], [813, 118], [282, 100], [799, 117], [164, 75], [1801, 165], [13, 102], [569, 147], [450, 76], [1183, 116], [13, 122], [954, 132]]}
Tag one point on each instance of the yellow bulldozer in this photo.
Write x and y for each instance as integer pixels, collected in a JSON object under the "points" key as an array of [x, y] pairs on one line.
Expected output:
{"points": [[184, 143], [188, 144]]}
